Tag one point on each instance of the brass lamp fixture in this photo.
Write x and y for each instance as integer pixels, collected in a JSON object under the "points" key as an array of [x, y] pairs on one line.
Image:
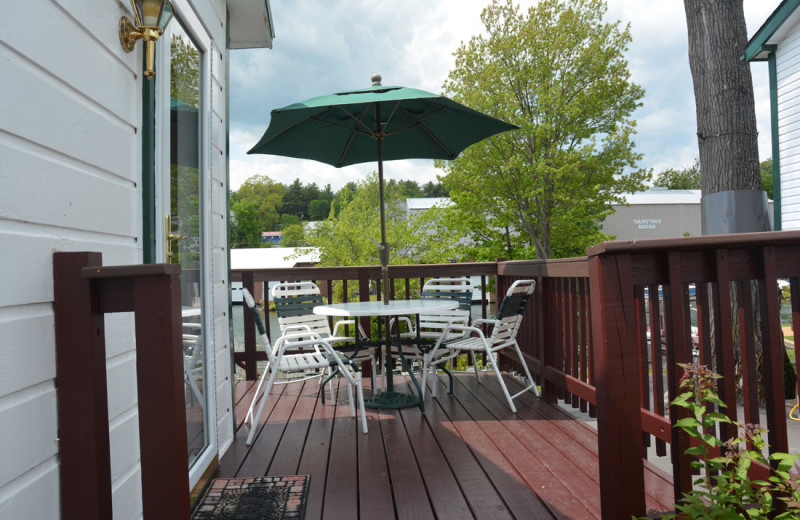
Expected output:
{"points": [[152, 17]]}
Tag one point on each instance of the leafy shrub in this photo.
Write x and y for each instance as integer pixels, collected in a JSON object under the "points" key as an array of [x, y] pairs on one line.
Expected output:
{"points": [[724, 488]]}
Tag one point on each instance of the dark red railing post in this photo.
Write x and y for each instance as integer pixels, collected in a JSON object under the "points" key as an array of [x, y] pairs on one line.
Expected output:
{"points": [[250, 369], [82, 392], [162, 398], [619, 422], [84, 291]]}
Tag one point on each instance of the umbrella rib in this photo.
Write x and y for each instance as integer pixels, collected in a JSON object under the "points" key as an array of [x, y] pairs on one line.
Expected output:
{"points": [[343, 127], [353, 132], [417, 122]]}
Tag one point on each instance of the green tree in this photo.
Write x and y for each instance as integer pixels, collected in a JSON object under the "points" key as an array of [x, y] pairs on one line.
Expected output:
{"points": [[346, 238], [319, 209], [293, 235], [246, 225], [558, 72], [289, 220], [255, 208], [342, 198], [434, 189], [766, 177], [184, 68], [686, 178]]}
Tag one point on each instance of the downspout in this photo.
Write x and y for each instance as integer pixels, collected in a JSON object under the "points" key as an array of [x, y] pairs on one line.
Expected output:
{"points": [[776, 147]]}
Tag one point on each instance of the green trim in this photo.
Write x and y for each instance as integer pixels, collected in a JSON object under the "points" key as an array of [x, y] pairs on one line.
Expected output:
{"points": [[776, 145], [148, 171], [758, 43]]}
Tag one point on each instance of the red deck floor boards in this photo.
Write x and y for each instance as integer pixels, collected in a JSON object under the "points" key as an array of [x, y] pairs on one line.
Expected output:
{"points": [[467, 456]]}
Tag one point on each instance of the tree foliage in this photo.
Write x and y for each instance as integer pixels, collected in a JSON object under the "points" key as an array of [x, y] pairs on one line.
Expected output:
{"points": [[346, 237], [686, 178], [184, 68], [766, 177], [558, 72], [255, 208]]}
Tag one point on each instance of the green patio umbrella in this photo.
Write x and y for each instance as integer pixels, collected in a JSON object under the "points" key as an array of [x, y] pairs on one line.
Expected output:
{"points": [[376, 124]]}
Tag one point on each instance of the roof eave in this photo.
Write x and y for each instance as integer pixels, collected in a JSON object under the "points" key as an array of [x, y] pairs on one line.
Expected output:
{"points": [[758, 48]]}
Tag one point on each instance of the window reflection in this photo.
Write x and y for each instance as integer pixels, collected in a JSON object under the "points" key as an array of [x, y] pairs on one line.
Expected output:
{"points": [[183, 223]]}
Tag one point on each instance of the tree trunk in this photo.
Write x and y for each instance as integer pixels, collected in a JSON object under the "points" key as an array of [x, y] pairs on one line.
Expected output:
{"points": [[726, 120], [733, 199]]}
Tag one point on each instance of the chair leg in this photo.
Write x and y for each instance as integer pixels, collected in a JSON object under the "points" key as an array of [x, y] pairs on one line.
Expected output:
{"points": [[375, 379], [360, 392], [427, 366], [254, 424], [432, 367], [475, 366], [249, 416], [500, 380], [532, 384], [350, 398]]}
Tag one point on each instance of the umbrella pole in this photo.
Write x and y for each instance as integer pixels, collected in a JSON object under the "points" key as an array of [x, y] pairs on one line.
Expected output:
{"points": [[384, 249]]}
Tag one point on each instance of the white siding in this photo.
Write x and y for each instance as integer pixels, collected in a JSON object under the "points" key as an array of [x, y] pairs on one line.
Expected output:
{"points": [[69, 116], [219, 237], [70, 180], [788, 79]]}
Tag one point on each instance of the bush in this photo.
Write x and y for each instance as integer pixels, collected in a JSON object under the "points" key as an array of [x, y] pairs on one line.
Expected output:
{"points": [[724, 489]]}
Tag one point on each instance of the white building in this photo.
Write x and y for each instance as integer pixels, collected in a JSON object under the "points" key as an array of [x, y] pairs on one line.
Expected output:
{"points": [[655, 213], [778, 43], [268, 258], [88, 148]]}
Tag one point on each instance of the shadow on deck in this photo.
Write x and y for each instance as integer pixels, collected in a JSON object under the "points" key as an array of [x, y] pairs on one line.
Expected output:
{"points": [[467, 456]]}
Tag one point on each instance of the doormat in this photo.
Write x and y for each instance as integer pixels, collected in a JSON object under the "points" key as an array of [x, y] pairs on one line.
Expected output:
{"points": [[260, 498]]}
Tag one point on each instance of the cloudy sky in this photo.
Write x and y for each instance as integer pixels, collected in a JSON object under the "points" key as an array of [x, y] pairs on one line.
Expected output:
{"points": [[325, 46]]}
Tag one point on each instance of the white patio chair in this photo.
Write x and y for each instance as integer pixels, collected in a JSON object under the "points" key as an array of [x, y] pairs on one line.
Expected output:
{"points": [[503, 335], [321, 357], [193, 367], [294, 304], [431, 326]]}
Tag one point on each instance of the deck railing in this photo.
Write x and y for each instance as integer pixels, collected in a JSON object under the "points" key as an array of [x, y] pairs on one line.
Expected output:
{"points": [[84, 291], [605, 334]]}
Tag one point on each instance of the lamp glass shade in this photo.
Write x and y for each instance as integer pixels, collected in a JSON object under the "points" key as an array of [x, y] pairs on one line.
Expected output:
{"points": [[166, 15], [148, 11]]}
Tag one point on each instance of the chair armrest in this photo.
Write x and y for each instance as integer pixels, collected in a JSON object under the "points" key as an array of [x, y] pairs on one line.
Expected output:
{"points": [[405, 319], [297, 340], [292, 330], [484, 321], [341, 323]]}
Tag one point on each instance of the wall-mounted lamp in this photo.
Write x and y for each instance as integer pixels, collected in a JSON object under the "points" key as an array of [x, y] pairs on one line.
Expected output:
{"points": [[152, 17]]}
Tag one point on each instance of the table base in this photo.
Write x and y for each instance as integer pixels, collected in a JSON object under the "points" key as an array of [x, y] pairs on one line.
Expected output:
{"points": [[391, 400]]}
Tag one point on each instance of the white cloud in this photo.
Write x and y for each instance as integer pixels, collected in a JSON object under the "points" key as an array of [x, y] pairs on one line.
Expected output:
{"points": [[322, 47]]}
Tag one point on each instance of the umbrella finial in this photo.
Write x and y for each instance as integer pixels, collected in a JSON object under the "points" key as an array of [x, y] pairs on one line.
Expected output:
{"points": [[376, 80]]}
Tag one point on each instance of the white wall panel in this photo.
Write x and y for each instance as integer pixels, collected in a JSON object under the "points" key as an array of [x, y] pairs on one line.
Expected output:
{"points": [[126, 496], [33, 496], [48, 191], [64, 120], [37, 433], [28, 354], [122, 386], [26, 265], [102, 71], [124, 435]]}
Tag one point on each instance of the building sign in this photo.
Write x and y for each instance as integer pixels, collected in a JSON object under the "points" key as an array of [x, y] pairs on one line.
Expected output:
{"points": [[646, 223]]}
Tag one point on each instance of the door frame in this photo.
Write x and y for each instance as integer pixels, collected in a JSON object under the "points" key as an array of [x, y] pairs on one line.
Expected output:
{"points": [[201, 38]]}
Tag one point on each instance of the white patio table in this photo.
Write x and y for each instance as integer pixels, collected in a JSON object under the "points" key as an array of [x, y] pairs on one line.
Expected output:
{"points": [[389, 398]]}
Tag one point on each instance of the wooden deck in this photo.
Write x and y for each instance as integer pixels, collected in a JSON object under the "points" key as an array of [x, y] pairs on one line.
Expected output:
{"points": [[467, 456]]}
